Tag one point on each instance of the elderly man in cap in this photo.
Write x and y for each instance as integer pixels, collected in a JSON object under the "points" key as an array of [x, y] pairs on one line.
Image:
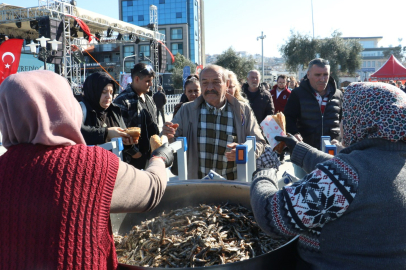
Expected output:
{"points": [[214, 124]]}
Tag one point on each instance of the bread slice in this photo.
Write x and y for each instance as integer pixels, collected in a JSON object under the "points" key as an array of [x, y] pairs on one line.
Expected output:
{"points": [[155, 142]]}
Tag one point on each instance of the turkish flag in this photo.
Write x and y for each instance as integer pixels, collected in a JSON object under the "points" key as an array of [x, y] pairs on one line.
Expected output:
{"points": [[10, 52]]}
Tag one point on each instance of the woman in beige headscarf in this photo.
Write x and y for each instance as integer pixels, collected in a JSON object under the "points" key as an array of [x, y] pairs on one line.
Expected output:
{"points": [[56, 193]]}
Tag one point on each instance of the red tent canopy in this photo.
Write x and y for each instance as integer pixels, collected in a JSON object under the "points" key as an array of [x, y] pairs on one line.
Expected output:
{"points": [[391, 70]]}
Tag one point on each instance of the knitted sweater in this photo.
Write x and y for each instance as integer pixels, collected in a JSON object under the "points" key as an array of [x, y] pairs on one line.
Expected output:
{"points": [[348, 212], [54, 207]]}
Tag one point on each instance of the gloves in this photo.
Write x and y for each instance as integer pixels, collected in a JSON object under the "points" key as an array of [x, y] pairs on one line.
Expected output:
{"points": [[290, 141], [174, 168], [165, 153]]}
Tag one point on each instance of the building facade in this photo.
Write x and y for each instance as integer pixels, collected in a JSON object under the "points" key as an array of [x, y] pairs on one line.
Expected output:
{"points": [[182, 22], [372, 56]]}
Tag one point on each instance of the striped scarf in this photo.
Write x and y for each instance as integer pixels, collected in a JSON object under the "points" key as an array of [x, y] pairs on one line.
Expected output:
{"points": [[322, 100]]}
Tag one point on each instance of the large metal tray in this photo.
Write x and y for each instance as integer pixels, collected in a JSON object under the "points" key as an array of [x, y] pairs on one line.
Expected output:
{"points": [[194, 192]]}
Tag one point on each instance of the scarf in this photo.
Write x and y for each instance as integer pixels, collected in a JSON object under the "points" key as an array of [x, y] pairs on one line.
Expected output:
{"points": [[38, 107], [374, 110]]}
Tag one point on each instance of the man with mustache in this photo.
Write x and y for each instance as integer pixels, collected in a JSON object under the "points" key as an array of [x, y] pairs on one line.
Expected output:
{"points": [[214, 124], [314, 108]]}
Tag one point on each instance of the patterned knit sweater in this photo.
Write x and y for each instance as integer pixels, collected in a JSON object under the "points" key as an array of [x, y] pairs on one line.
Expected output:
{"points": [[348, 212], [54, 207]]}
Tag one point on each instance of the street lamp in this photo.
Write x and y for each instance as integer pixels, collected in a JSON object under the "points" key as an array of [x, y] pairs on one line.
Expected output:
{"points": [[44, 52], [127, 57], [312, 18], [262, 38]]}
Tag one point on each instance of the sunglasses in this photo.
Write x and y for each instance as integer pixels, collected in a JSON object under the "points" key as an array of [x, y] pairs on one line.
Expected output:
{"points": [[148, 70]]}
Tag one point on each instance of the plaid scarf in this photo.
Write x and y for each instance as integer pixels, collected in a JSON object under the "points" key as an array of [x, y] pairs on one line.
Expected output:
{"points": [[215, 131]]}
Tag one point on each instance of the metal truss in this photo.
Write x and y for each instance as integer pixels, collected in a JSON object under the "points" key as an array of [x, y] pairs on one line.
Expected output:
{"points": [[59, 9], [153, 20]]}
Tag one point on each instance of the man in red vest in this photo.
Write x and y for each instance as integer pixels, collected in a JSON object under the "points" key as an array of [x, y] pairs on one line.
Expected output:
{"points": [[280, 93]]}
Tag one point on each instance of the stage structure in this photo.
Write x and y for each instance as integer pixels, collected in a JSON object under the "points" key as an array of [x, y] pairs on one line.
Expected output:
{"points": [[55, 19]]}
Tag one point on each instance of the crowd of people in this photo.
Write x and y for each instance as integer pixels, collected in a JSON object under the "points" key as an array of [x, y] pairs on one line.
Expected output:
{"points": [[345, 209]]}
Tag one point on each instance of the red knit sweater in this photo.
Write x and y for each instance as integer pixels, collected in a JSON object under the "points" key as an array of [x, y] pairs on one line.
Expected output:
{"points": [[54, 207]]}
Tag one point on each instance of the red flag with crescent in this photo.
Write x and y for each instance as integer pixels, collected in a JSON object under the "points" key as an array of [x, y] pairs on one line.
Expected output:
{"points": [[84, 27], [10, 51]]}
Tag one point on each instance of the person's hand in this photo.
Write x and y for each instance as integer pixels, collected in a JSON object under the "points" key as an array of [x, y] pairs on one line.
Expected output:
{"points": [[338, 145], [137, 155], [290, 142], [231, 154], [169, 129], [298, 137], [129, 141], [165, 153], [114, 132]]}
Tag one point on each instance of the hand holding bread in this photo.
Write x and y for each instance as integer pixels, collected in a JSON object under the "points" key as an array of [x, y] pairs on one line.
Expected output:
{"points": [[280, 120]]}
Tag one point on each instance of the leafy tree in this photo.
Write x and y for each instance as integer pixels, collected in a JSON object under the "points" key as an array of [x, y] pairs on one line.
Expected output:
{"points": [[231, 60], [344, 55], [397, 51], [177, 72]]}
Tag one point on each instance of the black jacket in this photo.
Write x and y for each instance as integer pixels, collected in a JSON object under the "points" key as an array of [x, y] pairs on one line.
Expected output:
{"points": [[303, 114], [159, 99], [260, 102], [92, 129]]}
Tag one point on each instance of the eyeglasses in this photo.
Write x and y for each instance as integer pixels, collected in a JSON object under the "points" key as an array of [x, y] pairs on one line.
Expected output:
{"points": [[148, 70]]}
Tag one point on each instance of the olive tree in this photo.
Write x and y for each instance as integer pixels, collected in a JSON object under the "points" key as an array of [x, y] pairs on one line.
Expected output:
{"points": [[231, 60], [177, 72], [344, 55]]}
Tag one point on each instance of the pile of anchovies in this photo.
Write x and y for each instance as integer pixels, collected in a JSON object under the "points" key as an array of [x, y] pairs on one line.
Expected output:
{"points": [[199, 236]]}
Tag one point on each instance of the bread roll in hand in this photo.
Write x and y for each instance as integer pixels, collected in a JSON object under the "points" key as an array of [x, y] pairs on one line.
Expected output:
{"points": [[155, 142]]}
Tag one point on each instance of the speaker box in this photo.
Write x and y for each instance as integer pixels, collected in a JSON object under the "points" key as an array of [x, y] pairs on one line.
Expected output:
{"points": [[53, 29], [161, 58]]}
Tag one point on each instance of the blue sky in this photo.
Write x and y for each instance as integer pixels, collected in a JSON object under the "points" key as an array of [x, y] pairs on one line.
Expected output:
{"points": [[238, 23]]}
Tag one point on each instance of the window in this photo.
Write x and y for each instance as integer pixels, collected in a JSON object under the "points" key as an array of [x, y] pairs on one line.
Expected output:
{"points": [[177, 48], [162, 1], [373, 64], [128, 65], [129, 3], [176, 33], [364, 64], [130, 18], [107, 58], [369, 63], [145, 49], [178, 14], [128, 50], [162, 31], [140, 17]]}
